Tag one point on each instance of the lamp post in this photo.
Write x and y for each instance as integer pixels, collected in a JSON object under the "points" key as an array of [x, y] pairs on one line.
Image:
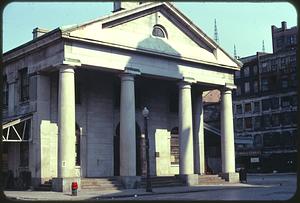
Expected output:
{"points": [[148, 182]]}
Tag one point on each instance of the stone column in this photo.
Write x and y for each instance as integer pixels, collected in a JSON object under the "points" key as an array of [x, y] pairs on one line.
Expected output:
{"points": [[127, 127], [66, 123], [227, 136], [199, 156], [186, 160]]}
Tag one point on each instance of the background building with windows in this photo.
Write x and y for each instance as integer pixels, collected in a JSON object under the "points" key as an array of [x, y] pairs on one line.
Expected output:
{"points": [[265, 105]]}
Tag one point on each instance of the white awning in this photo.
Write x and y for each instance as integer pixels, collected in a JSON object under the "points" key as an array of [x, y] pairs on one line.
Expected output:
{"points": [[17, 129]]}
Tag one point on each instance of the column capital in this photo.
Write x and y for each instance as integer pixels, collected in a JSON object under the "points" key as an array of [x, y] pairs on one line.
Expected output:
{"points": [[66, 69], [132, 71], [184, 84], [228, 87], [127, 76]]}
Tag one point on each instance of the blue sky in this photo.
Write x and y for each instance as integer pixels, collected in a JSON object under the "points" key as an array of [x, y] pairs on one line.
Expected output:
{"points": [[244, 24]]}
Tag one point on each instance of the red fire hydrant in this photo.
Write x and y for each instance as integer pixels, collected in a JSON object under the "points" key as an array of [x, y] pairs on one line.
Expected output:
{"points": [[74, 188]]}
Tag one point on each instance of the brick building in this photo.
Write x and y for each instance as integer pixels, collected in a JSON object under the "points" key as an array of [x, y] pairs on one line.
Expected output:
{"points": [[265, 105]]}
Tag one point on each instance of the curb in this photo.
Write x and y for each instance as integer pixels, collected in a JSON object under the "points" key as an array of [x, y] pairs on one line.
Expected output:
{"points": [[172, 192]]}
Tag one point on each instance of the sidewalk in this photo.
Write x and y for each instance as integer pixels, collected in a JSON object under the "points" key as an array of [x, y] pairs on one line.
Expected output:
{"points": [[114, 194]]}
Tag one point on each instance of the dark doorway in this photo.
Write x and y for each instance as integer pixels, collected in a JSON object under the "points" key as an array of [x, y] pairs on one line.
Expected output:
{"points": [[117, 150], [77, 145]]}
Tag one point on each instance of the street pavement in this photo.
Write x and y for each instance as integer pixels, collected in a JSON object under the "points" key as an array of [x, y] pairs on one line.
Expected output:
{"points": [[258, 187]]}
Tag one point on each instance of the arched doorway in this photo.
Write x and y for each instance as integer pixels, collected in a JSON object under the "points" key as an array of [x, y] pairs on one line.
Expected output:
{"points": [[117, 150]]}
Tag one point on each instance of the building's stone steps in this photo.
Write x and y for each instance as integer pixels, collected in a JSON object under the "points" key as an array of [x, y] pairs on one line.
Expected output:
{"points": [[210, 179], [100, 184], [47, 186], [163, 181]]}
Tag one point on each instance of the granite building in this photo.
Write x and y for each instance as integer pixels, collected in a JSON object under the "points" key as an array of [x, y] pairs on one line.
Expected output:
{"points": [[73, 98]]}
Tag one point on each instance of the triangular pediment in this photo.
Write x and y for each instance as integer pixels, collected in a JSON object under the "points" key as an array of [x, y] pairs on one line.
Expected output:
{"points": [[133, 28]]}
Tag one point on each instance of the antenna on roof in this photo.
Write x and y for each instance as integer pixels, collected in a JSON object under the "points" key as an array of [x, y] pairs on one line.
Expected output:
{"points": [[263, 46], [216, 32], [234, 51]]}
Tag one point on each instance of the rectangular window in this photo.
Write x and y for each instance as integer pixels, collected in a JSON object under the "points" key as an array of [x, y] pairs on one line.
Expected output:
{"points": [[256, 107], [284, 81], [275, 120], [266, 104], [286, 118], [275, 103], [247, 87], [255, 86], [268, 140], [5, 91], [239, 124], [293, 80], [267, 121], [264, 85], [255, 69], [264, 67], [24, 85], [285, 101], [248, 123], [294, 100], [248, 108], [257, 122], [239, 109], [246, 71], [273, 64], [293, 39], [279, 42], [238, 90]]}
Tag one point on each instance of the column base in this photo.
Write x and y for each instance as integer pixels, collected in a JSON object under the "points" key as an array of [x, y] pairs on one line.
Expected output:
{"points": [[231, 177], [64, 184], [189, 179], [130, 182]]}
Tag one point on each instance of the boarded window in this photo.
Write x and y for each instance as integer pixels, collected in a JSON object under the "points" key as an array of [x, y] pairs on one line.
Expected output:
{"points": [[5, 91], [24, 154], [174, 146], [24, 84]]}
